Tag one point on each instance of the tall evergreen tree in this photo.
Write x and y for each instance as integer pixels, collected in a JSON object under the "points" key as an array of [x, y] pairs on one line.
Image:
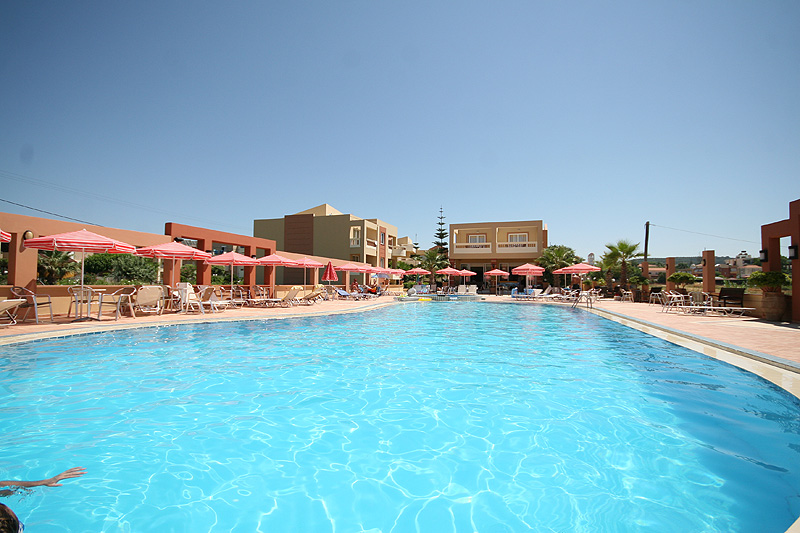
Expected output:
{"points": [[441, 235]]}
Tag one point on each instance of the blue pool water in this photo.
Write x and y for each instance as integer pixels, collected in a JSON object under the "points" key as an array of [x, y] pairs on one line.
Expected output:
{"points": [[418, 417]]}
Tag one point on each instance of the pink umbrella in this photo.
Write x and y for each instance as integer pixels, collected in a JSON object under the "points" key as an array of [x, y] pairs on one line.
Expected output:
{"points": [[306, 263], [231, 259], [449, 271], [172, 250], [5, 236], [80, 241], [496, 273], [417, 271], [274, 260], [580, 268], [352, 267], [527, 270]]}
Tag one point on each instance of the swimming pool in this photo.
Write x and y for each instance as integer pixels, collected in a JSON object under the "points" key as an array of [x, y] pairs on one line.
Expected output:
{"points": [[443, 417]]}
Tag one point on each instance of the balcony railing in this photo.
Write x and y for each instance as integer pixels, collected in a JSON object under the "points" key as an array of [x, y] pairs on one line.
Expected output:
{"points": [[473, 247], [516, 247]]}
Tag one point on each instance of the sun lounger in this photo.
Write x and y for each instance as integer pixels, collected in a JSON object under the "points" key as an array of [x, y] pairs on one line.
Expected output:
{"points": [[149, 299], [6, 306], [311, 297], [258, 295], [209, 299], [289, 299]]}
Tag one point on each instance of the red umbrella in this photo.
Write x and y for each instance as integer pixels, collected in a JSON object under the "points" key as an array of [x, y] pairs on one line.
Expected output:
{"points": [[580, 268], [496, 273], [527, 270], [417, 271], [449, 271], [172, 250], [330, 273], [306, 263], [5, 236], [80, 241], [352, 267], [275, 260], [232, 259]]}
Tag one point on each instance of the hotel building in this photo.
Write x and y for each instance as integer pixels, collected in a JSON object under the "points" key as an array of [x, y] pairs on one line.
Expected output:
{"points": [[326, 231], [483, 246]]}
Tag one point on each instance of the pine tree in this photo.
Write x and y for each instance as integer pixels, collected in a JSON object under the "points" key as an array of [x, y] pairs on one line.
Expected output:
{"points": [[441, 235]]}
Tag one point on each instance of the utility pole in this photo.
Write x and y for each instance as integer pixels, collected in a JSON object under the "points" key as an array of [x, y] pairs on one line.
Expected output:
{"points": [[646, 238]]}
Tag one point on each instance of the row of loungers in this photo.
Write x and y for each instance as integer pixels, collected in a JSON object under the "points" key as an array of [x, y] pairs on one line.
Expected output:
{"points": [[697, 304]]}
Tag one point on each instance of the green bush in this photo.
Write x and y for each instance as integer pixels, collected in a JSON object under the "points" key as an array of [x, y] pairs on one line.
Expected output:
{"points": [[682, 278], [768, 281]]}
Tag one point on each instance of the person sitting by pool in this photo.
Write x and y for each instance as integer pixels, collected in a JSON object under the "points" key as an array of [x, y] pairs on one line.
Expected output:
{"points": [[372, 289], [9, 522], [354, 286]]}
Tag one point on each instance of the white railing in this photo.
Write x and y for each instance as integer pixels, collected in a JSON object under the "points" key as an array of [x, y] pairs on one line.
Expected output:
{"points": [[516, 247], [473, 247]]}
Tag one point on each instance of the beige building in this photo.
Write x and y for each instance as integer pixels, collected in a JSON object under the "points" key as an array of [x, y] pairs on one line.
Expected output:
{"points": [[483, 246], [326, 231]]}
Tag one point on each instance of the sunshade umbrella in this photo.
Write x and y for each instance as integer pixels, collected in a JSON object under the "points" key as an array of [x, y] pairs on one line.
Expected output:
{"points": [[496, 273], [449, 271], [527, 270], [417, 271], [580, 268], [232, 259], [351, 267], [330, 273], [172, 250], [5, 236], [80, 241], [274, 260], [467, 274], [305, 263]]}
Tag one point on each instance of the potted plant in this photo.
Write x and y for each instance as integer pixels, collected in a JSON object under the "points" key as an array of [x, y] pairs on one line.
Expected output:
{"points": [[636, 281], [681, 279], [773, 304]]}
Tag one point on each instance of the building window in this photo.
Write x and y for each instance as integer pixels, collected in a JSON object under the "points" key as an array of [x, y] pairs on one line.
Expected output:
{"points": [[383, 238], [356, 258], [475, 239], [517, 237], [355, 237]]}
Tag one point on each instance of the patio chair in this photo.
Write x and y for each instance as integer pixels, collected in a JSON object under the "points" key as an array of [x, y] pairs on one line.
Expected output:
{"points": [[149, 299], [32, 301], [312, 296], [6, 306], [209, 299], [289, 299], [116, 300], [258, 295], [627, 296], [344, 295], [82, 296], [188, 298]]}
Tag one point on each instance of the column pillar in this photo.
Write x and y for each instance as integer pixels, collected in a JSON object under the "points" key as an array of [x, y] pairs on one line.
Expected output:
{"points": [[670, 271], [203, 270], [709, 272], [22, 263]]}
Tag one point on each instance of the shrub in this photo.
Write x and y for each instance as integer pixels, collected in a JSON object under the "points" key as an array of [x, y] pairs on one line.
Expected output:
{"points": [[768, 281], [682, 278]]}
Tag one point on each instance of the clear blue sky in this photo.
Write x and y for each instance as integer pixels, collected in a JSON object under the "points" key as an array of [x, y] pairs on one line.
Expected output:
{"points": [[592, 116]]}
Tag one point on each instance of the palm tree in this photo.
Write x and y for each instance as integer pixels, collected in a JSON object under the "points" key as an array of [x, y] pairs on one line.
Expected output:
{"points": [[432, 260], [621, 252], [54, 266], [557, 256]]}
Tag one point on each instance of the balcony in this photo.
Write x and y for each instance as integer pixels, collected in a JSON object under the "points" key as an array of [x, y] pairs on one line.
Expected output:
{"points": [[517, 247], [372, 247], [471, 248]]}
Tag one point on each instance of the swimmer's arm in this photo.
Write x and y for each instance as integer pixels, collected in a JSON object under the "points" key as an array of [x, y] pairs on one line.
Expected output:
{"points": [[50, 482]]}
